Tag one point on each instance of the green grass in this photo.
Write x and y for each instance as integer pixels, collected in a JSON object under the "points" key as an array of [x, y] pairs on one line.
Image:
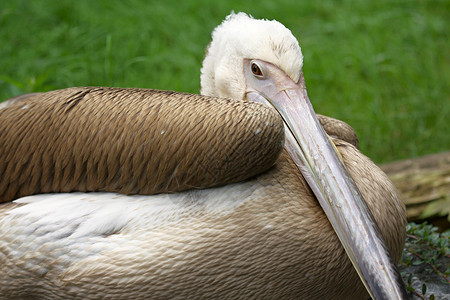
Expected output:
{"points": [[382, 66]]}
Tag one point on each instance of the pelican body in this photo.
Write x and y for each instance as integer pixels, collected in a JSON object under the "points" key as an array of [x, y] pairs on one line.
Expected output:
{"points": [[262, 236]]}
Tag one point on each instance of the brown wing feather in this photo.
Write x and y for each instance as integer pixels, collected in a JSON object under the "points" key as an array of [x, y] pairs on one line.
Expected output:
{"points": [[132, 141]]}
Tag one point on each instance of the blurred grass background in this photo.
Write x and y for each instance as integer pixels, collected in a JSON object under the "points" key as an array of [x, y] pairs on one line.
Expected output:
{"points": [[382, 66]]}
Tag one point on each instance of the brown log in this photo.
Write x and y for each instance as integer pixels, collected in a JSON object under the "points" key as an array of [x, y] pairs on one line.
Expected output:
{"points": [[424, 184]]}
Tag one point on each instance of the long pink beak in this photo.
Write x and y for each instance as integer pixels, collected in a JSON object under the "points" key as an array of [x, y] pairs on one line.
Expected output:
{"points": [[322, 167]]}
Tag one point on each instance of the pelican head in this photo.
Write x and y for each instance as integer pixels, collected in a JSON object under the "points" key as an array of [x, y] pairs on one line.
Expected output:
{"points": [[270, 41], [261, 61]]}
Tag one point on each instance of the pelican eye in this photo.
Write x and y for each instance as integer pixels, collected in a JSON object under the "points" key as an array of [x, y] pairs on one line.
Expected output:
{"points": [[256, 70]]}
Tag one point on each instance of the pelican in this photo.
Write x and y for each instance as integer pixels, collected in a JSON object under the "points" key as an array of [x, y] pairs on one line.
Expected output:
{"points": [[118, 219]]}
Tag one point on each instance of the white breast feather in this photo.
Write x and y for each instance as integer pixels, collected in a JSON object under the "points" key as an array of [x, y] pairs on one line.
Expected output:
{"points": [[70, 225]]}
